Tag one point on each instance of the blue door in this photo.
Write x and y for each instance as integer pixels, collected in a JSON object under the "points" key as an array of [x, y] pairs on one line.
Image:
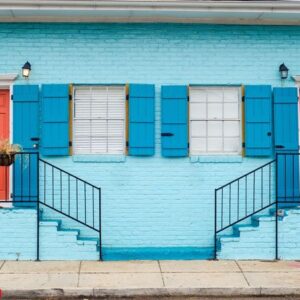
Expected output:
{"points": [[26, 134], [286, 143]]}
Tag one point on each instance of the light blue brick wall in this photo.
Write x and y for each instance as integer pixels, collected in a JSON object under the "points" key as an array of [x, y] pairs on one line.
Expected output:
{"points": [[18, 238], [18, 234], [153, 202]]}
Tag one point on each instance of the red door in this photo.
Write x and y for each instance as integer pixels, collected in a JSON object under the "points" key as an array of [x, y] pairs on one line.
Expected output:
{"points": [[4, 134]]}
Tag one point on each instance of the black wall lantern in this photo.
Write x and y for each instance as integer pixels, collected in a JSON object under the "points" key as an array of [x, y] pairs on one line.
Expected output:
{"points": [[26, 69], [284, 71]]}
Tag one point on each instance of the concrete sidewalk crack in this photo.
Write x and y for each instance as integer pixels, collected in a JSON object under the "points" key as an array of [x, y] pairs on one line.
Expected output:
{"points": [[2, 264], [79, 271], [161, 274], [242, 272]]}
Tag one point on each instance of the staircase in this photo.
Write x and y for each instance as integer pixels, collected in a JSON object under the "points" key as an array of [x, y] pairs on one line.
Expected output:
{"points": [[247, 225], [257, 240], [69, 216], [249, 241], [59, 242], [64, 212]]}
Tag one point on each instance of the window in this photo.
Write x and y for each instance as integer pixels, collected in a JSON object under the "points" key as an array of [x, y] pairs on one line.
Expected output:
{"points": [[215, 120], [99, 120]]}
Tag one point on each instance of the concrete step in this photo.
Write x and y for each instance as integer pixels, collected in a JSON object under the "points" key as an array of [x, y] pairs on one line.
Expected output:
{"points": [[88, 241], [229, 239], [264, 218], [50, 223], [238, 229]]}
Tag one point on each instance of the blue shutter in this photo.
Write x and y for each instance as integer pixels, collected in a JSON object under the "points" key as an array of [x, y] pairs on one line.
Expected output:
{"points": [[141, 119], [286, 119], [174, 125], [26, 134], [26, 115], [258, 120], [55, 119], [286, 142]]}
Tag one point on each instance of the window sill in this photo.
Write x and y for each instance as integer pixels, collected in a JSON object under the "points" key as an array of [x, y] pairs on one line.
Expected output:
{"points": [[216, 159], [99, 158]]}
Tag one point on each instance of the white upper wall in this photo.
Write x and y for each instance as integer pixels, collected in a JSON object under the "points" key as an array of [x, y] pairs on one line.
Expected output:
{"points": [[189, 11]]}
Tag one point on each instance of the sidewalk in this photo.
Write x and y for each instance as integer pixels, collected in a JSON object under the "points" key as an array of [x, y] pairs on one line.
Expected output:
{"points": [[143, 279]]}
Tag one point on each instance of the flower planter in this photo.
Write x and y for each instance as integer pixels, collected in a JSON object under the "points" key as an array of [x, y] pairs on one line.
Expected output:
{"points": [[7, 160]]}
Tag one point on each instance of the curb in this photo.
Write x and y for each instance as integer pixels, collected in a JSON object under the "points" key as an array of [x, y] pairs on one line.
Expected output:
{"points": [[73, 293]]}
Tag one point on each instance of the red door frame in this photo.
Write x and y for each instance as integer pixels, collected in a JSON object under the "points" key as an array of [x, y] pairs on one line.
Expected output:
{"points": [[4, 134]]}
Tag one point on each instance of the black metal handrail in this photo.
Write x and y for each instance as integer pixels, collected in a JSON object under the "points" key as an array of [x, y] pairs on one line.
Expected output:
{"points": [[283, 171], [70, 196], [37, 182], [243, 197]]}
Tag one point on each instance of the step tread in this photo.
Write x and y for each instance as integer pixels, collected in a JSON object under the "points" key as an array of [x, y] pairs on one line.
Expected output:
{"points": [[69, 231], [246, 227], [228, 238], [50, 223], [264, 218], [89, 241], [294, 211]]}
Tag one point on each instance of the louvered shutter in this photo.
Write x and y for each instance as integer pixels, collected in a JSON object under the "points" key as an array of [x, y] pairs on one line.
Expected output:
{"points": [[258, 120], [174, 121], [141, 119], [26, 134], [286, 142], [55, 119]]}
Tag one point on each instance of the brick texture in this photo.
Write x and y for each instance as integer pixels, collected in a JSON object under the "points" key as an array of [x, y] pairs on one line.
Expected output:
{"points": [[155, 201]]}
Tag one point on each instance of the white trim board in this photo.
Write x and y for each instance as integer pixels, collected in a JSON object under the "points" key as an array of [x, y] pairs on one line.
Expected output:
{"points": [[6, 82], [188, 11]]}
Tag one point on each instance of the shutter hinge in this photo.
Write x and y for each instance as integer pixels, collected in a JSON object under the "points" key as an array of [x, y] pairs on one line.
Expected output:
{"points": [[243, 145], [70, 144], [188, 144], [188, 98], [11, 97], [127, 97], [127, 144], [243, 98], [70, 97]]}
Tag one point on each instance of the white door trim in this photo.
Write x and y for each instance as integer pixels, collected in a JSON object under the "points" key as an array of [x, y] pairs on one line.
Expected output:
{"points": [[6, 83]]}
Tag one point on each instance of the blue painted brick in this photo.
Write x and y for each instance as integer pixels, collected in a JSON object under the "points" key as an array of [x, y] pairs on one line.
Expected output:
{"points": [[155, 201]]}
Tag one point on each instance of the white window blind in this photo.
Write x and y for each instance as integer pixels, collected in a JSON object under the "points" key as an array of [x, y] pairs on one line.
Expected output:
{"points": [[99, 120], [215, 120]]}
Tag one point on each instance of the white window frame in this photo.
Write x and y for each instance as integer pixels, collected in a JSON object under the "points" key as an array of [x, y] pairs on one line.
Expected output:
{"points": [[74, 119], [240, 119]]}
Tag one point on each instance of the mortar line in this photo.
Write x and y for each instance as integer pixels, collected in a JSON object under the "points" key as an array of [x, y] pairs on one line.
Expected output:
{"points": [[2, 264], [79, 272], [161, 273], [242, 272]]}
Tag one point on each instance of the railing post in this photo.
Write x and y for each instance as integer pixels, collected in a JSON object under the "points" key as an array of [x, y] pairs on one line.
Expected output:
{"points": [[38, 209], [215, 228], [100, 228], [276, 207]]}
